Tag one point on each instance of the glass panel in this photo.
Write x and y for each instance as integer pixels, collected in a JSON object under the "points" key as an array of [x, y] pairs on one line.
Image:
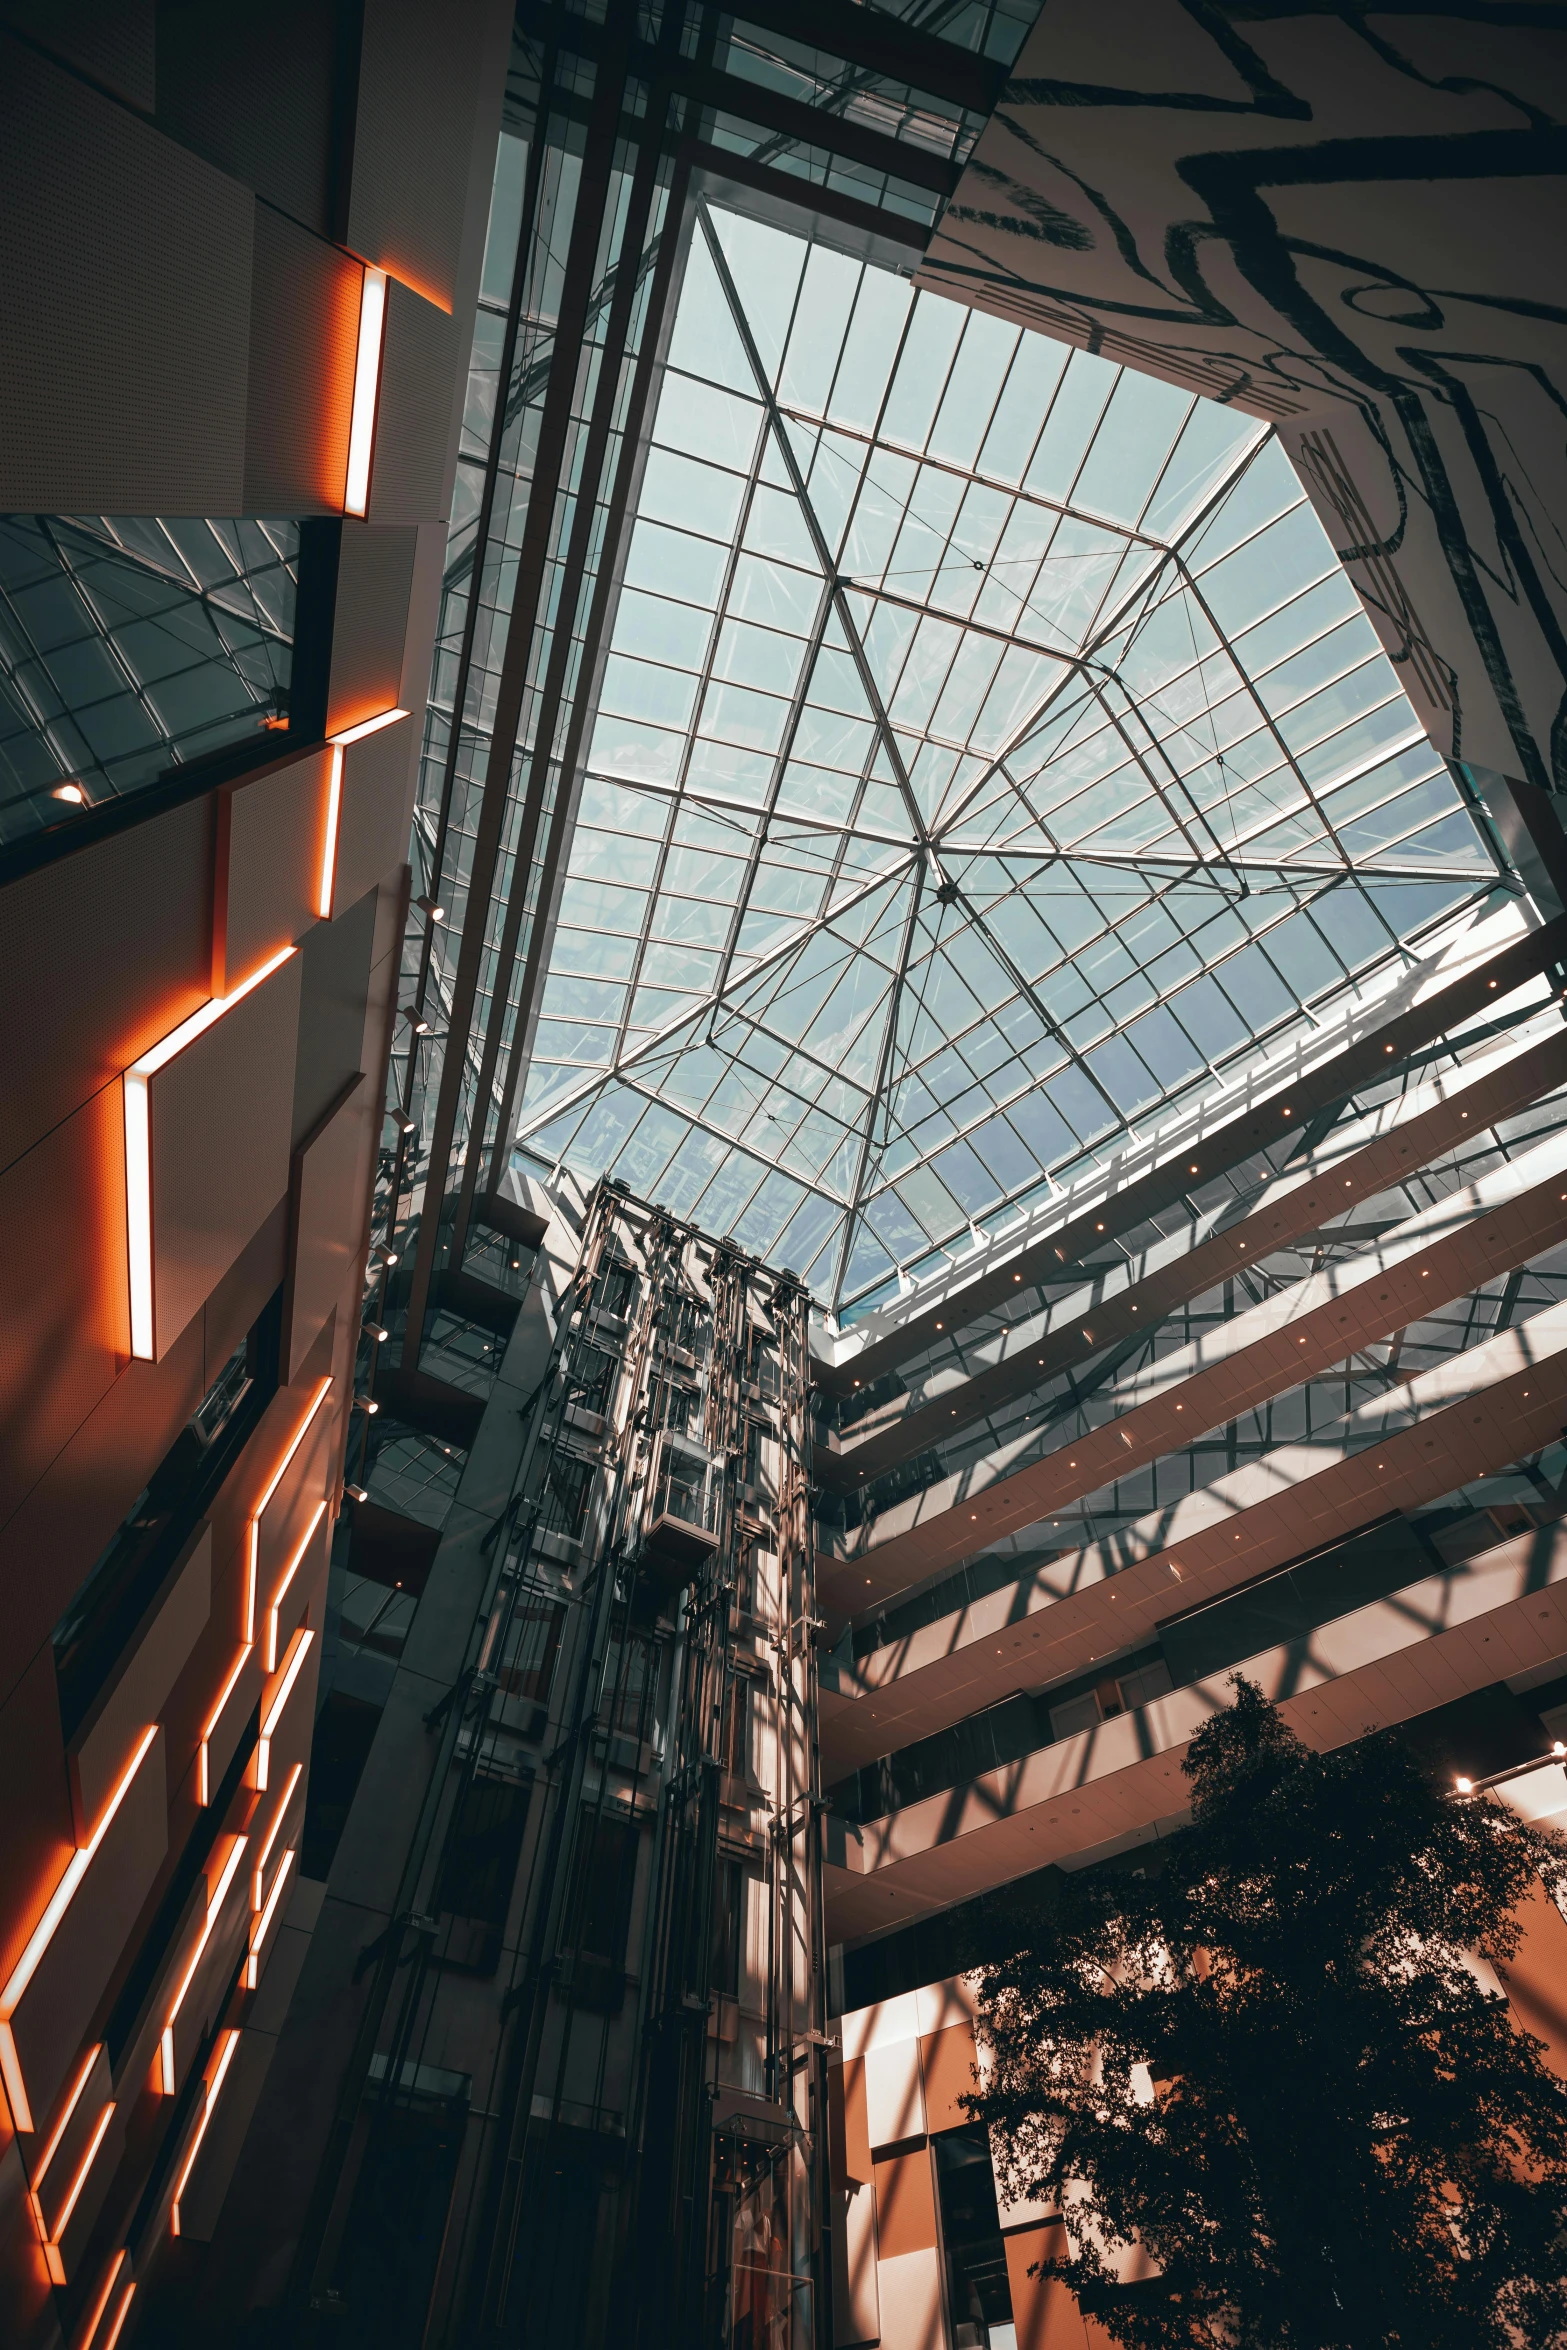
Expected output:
{"points": [[130, 647], [992, 849]]}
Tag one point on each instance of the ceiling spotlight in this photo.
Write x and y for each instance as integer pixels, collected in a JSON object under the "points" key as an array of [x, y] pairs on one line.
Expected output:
{"points": [[355, 1493], [72, 793], [366, 1404], [429, 906], [415, 1019], [1464, 1786], [1558, 1748], [375, 1331], [408, 1126]]}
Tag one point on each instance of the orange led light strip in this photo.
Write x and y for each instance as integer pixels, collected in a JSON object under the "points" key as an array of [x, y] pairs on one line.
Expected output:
{"points": [[338, 743], [209, 1728], [367, 377], [44, 1932], [114, 2332], [214, 1911], [230, 2042], [298, 1649], [41, 2227], [281, 1593], [258, 1931], [257, 1882], [253, 1529], [138, 1147], [102, 2302], [53, 2259]]}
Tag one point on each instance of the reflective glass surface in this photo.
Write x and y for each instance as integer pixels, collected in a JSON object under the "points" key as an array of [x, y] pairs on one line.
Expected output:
{"points": [[990, 754], [130, 646]]}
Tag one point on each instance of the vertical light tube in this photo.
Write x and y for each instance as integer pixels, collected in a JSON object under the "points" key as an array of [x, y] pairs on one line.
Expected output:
{"points": [[138, 1212], [367, 377], [334, 802]]}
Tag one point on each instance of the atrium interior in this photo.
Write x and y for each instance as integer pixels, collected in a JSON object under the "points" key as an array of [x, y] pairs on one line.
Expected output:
{"points": [[786, 905]]}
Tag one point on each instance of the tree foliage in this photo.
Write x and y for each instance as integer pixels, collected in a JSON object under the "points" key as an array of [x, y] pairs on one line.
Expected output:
{"points": [[1268, 2065]]}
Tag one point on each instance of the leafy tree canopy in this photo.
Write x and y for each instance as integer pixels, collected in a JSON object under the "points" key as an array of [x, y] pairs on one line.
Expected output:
{"points": [[1268, 2065]]}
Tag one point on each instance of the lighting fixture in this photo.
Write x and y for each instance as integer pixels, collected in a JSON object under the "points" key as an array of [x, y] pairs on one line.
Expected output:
{"points": [[89, 2331], [43, 1934], [236, 1854], [138, 1147], [367, 377], [50, 2233], [355, 1493], [253, 1529], [209, 1727], [281, 1593], [337, 744], [259, 1870], [72, 793], [229, 2041], [272, 1713], [258, 1932], [378, 1332], [427, 905], [334, 806]]}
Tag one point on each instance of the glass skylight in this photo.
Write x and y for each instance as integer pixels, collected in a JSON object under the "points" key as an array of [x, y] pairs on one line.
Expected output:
{"points": [[130, 646], [990, 752]]}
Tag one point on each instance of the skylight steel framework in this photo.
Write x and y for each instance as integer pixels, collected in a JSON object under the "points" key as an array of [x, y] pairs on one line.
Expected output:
{"points": [[612, 115], [129, 646], [1185, 728]]}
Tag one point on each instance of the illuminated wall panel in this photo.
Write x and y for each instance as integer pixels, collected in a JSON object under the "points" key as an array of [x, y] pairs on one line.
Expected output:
{"points": [[285, 1510], [63, 1321], [286, 1692], [375, 579], [199, 1980], [421, 359], [224, 1722], [286, 1602], [330, 899], [270, 836], [277, 1826], [50, 1995], [327, 1212], [377, 801], [304, 331], [151, 1664], [71, 2164], [201, 2198], [207, 1116]]}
